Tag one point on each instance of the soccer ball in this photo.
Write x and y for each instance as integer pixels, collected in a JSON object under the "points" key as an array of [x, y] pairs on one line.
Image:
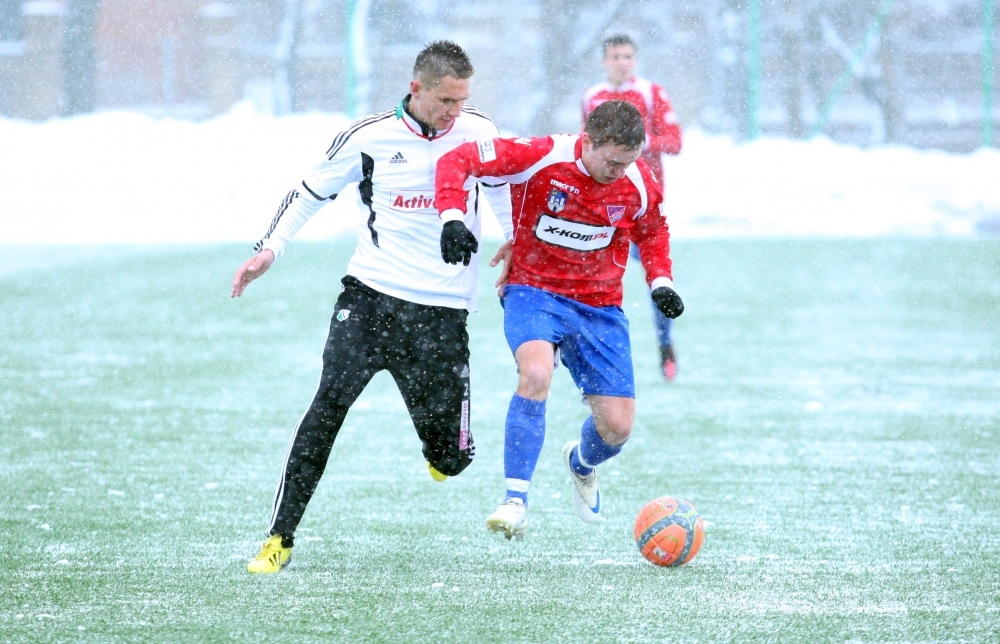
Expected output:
{"points": [[669, 532]]}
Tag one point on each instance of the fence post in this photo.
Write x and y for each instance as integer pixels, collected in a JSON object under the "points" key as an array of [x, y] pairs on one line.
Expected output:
{"points": [[987, 140], [41, 72], [753, 72], [357, 76]]}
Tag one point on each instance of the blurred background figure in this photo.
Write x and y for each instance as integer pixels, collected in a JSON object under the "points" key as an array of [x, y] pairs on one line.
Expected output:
{"points": [[663, 136]]}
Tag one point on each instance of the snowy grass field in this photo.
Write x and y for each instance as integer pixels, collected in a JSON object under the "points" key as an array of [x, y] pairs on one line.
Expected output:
{"points": [[836, 419]]}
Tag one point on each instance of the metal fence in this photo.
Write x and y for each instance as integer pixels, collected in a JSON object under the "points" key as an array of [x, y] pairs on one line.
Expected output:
{"points": [[916, 72]]}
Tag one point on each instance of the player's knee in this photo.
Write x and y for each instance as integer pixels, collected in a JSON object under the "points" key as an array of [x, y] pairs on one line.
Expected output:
{"points": [[450, 464], [616, 429], [534, 381]]}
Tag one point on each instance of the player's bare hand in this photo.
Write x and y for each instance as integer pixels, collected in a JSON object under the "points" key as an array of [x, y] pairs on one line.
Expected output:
{"points": [[251, 270], [503, 255]]}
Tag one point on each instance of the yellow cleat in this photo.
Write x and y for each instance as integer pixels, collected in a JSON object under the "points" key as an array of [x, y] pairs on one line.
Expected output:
{"points": [[272, 558], [437, 476]]}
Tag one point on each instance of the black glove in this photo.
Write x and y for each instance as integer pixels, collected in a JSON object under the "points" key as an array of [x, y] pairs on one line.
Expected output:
{"points": [[668, 301], [457, 243]]}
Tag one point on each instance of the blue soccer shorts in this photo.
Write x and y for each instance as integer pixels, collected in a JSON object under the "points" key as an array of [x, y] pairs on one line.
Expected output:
{"points": [[593, 341]]}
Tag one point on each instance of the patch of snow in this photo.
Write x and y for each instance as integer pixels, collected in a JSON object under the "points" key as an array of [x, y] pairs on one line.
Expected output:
{"points": [[140, 180]]}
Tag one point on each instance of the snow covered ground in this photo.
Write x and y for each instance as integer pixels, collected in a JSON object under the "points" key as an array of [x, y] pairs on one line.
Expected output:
{"points": [[121, 177], [834, 413]]}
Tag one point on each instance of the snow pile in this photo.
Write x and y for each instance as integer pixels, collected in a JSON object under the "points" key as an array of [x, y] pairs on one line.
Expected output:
{"points": [[121, 177], [786, 188]]}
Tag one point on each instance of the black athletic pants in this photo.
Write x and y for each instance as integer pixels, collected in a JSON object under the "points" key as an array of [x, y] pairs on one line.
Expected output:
{"points": [[425, 348]]}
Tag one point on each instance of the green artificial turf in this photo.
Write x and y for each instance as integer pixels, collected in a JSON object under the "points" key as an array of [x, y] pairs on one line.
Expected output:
{"points": [[836, 420]]}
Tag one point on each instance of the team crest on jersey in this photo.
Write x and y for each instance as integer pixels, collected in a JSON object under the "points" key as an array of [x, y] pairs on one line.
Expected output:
{"points": [[343, 314], [557, 200], [615, 213]]}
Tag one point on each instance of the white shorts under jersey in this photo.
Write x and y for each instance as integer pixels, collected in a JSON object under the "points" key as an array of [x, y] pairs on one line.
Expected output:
{"points": [[399, 232]]}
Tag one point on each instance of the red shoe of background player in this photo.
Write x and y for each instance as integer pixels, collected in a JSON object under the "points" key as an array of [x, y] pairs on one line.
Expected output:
{"points": [[669, 362]]}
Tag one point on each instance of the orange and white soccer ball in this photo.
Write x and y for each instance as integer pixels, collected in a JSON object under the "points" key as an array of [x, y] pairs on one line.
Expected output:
{"points": [[669, 532]]}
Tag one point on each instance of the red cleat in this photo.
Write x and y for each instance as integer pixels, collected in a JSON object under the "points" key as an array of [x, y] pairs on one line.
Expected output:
{"points": [[669, 362]]}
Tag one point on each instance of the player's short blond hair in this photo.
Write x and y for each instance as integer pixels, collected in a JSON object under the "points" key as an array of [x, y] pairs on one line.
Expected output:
{"points": [[439, 59]]}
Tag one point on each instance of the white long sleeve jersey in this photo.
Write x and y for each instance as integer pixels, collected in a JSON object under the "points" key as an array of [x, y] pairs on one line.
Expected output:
{"points": [[393, 158]]}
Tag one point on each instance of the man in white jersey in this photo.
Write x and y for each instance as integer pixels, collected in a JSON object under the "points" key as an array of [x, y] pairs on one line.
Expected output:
{"points": [[402, 308]]}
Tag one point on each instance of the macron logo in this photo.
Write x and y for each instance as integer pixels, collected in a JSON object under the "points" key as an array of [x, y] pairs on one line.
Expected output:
{"points": [[398, 158], [564, 186]]}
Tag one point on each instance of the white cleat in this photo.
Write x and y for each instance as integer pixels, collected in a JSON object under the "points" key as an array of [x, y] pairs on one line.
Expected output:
{"points": [[586, 491], [511, 518]]}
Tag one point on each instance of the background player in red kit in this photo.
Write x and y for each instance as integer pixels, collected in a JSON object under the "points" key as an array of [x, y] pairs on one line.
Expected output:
{"points": [[663, 136], [579, 200]]}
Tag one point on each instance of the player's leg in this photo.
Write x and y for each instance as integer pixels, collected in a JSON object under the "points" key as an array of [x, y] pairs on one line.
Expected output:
{"points": [[604, 433], [668, 359], [662, 324], [524, 435], [598, 356], [429, 359], [524, 429], [349, 362], [534, 323]]}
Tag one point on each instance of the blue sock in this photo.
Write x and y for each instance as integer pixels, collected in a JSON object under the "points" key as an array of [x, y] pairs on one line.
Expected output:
{"points": [[593, 450], [523, 438]]}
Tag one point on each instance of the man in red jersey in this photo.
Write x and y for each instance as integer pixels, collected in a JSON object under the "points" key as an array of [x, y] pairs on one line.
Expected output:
{"points": [[579, 200], [663, 132], [663, 136]]}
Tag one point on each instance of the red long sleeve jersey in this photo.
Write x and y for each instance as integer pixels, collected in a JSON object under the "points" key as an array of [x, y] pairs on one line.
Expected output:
{"points": [[571, 233], [663, 132]]}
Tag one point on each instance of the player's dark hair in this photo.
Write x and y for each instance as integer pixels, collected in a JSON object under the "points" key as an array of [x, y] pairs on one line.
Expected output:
{"points": [[616, 123], [617, 41], [439, 59]]}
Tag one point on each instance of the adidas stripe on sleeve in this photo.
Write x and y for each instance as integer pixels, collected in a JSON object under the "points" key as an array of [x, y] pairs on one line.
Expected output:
{"points": [[341, 167]]}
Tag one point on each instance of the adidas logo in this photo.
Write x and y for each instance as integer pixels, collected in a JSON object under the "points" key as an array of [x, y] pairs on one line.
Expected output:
{"points": [[398, 158], [465, 372]]}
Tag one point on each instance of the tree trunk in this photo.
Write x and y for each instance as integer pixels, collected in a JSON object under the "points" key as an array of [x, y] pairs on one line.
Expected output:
{"points": [[791, 42], [79, 56]]}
